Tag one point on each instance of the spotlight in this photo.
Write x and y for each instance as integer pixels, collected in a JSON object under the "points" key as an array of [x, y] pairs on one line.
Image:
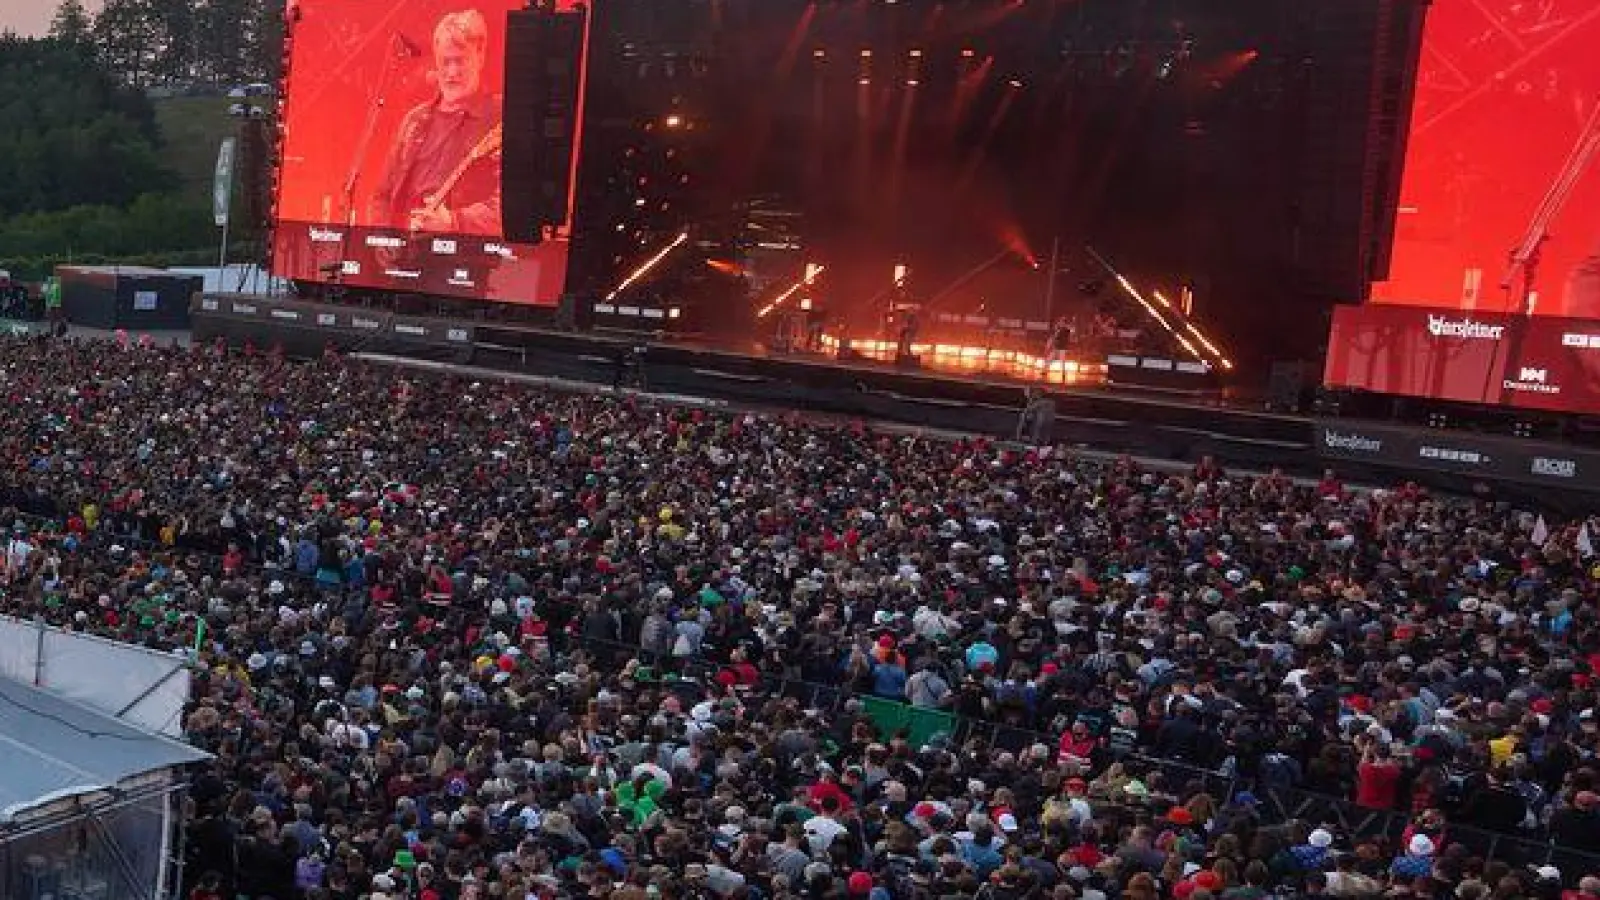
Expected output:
{"points": [[866, 53], [968, 53], [1015, 83], [819, 53], [916, 54], [674, 121]]}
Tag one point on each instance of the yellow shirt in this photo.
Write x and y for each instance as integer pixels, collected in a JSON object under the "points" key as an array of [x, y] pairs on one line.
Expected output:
{"points": [[1501, 749]]}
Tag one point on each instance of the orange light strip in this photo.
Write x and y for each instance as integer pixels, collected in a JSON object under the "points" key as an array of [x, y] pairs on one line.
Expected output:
{"points": [[651, 263], [812, 271]]}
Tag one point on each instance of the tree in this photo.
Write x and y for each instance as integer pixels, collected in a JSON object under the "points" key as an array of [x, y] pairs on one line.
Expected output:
{"points": [[72, 24], [175, 51], [68, 134], [127, 37]]}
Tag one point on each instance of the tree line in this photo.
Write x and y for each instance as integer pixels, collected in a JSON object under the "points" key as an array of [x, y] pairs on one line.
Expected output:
{"points": [[84, 172], [149, 43]]}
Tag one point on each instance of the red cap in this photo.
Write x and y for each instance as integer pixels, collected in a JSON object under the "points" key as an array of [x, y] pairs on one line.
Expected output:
{"points": [[924, 810], [860, 884], [1049, 668], [1542, 706], [1180, 816], [1208, 879]]}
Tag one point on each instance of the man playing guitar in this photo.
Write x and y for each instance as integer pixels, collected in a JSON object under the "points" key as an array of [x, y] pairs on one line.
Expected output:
{"points": [[442, 175]]}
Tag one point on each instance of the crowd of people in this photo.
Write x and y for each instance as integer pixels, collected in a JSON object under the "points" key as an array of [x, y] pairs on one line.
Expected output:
{"points": [[456, 640]]}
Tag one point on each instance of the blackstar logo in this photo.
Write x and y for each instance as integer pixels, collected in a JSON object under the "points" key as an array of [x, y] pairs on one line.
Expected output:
{"points": [[326, 236], [1554, 468], [1359, 443], [1467, 329]]}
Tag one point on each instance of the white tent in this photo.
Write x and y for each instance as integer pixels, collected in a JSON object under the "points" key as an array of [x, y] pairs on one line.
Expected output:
{"points": [[89, 799]]}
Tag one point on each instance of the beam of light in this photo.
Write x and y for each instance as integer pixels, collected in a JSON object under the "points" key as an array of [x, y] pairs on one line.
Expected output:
{"points": [[902, 130], [725, 267], [1228, 68], [812, 271], [1014, 240], [649, 264], [967, 89], [975, 161], [746, 159], [1194, 331], [1150, 310]]}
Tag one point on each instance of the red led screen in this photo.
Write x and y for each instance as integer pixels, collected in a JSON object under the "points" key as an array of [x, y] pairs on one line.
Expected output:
{"points": [[390, 170], [1543, 362], [1504, 90]]}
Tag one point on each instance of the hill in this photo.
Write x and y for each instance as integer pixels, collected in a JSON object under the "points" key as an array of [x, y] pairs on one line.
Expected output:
{"points": [[191, 129]]}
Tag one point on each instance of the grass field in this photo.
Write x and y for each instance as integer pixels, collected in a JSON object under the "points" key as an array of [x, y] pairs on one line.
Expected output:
{"points": [[192, 129]]}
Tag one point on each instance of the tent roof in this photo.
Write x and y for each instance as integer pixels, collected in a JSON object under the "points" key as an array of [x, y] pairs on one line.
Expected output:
{"points": [[54, 748]]}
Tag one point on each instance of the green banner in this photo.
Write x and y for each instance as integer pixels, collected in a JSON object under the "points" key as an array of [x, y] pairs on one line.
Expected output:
{"points": [[917, 725]]}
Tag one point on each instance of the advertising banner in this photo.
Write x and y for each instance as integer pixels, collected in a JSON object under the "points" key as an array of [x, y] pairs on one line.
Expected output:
{"points": [[1460, 453], [1539, 362]]}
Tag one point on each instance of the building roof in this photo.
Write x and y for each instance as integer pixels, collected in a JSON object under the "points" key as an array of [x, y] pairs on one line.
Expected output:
{"points": [[130, 271], [55, 748]]}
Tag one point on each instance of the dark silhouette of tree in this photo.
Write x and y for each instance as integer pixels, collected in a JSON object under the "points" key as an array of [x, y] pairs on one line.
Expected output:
{"points": [[69, 134], [72, 24]]}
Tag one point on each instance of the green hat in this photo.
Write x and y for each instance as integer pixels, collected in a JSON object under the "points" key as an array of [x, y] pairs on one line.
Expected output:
{"points": [[403, 859]]}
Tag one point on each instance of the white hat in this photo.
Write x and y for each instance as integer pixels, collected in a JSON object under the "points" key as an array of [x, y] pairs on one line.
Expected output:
{"points": [[383, 882], [1421, 845], [1321, 838], [1548, 873], [1008, 822]]}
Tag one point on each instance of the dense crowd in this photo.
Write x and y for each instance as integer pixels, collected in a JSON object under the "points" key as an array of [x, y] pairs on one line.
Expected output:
{"points": [[459, 640]]}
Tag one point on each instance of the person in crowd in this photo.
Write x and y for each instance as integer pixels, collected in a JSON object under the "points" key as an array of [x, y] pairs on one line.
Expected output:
{"points": [[456, 639]]}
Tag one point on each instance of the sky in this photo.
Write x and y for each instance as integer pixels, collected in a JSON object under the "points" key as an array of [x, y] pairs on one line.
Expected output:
{"points": [[31, 18]]}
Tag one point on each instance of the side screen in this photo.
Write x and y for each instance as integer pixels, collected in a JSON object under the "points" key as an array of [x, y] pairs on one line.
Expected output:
{"points": [[1503, 92], [390, 175]]}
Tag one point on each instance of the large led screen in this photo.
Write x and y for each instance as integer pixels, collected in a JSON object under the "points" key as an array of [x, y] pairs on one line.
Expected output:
{"points": [[1504, 90], [1547, 363], [390, 175]]}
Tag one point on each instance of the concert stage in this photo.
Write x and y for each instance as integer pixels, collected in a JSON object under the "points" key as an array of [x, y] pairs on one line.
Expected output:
{"points": [[1140, 421]]}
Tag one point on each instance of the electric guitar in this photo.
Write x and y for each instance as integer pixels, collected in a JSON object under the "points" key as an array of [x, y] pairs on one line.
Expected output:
{"points": [[412, 257], [486, 147]]}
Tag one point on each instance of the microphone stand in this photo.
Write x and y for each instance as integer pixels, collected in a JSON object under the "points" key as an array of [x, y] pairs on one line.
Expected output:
{"points": [[379, 100], [1520, 281]]}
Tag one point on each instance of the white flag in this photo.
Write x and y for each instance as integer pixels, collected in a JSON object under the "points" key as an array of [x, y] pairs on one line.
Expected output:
{"points": [[1541, 532], [1585, 543]]}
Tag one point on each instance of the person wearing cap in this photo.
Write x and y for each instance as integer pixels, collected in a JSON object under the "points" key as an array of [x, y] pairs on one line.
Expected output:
{"points": [[1418, 860]]}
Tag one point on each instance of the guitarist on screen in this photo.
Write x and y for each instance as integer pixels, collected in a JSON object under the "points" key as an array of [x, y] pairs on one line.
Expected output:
{"points": [[438, 177]]}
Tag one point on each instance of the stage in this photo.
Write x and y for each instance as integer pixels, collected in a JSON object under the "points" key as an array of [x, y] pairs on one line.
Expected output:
{"points": [[1165, 423]]}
